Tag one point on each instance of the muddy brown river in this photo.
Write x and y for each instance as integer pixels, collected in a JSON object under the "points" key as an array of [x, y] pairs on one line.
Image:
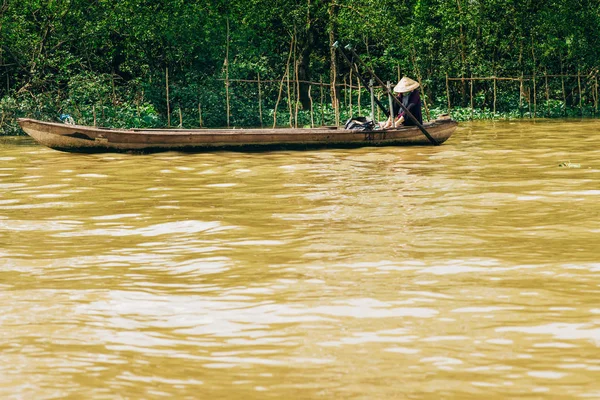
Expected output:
{"points": [[465, 271]]}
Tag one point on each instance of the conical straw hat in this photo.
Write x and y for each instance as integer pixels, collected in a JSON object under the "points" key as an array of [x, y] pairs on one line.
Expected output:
{"points": [[406, 85]]}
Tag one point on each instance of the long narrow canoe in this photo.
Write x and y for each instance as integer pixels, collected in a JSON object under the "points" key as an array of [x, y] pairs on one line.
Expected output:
{"points": [[87, 139]]}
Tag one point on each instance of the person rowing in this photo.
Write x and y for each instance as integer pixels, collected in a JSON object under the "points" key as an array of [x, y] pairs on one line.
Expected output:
{"points": [[408, 93]]}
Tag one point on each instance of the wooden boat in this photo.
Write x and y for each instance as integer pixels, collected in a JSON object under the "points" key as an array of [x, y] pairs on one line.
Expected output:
{"points": [[77, 138]]}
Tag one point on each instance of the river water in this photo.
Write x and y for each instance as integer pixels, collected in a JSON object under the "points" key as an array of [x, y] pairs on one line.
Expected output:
{"points": [[463, 271]]}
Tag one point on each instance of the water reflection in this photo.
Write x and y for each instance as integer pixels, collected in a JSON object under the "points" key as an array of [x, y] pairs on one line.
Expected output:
{"points": [[458, 271]]}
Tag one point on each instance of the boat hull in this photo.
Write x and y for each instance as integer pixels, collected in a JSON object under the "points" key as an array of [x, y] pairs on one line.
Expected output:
{"points": [[78, 138]]}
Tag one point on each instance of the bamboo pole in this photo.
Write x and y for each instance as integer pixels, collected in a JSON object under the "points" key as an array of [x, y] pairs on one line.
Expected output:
{"points": [[289, 99], [564, 96], [534, 97], [114, 91], [562, 79], [200, 114], [310, 99], [378, 109], [471, 93], [94, 112], [334, 101], [322, 110], [358, 100], [580, 94], [596, 94], [547, 95], [260, 115], [227, 74], [336, 109], [529, 102], [168, 106], [297, 81], [297, 96], [180, 118], [495, 91], [448, 92], [425, 102], [287, 65], [534, 85], [345, 90], [372, 93], [289, 87], [592, 76], [391, 103], [521, 96]]}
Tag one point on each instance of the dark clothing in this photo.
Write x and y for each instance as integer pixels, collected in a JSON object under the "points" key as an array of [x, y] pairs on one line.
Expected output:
{"points": [[413, 103]]}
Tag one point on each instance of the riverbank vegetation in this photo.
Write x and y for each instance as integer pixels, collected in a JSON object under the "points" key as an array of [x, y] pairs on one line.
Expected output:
{"points": [[151, 63]]}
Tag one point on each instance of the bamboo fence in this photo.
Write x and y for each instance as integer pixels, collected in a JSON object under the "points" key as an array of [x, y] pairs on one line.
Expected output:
{"points": [[532, 82], [531, 90]]}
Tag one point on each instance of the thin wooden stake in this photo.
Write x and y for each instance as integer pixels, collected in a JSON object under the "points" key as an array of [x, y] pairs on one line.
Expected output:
{"points": [[281, 83], [494, 77], [289, 98], [260, 115], [168, 106], [94, 111], [547, 95], [448, 92], [296, 81], [358, 100], [521, 95], [534, 85], [227, 75], [336, 108], [372, 94], [596, 93], [562, 78], [534, 97], [345, 90], [322, 110], [114, 91], [180, 118], [529, 102], [580, 96], [312, 115], [471, 91], [391, 103], [200, 114], [297, 95]]}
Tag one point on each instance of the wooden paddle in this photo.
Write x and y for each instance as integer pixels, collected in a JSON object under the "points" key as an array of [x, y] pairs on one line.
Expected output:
{"points": [[380, 82]]}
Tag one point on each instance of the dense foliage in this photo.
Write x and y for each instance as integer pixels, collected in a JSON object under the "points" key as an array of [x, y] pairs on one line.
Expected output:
{"points": [[110, 58]]}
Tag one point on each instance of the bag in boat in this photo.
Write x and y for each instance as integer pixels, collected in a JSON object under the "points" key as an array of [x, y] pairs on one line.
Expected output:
{"points": [[359, 124]]}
